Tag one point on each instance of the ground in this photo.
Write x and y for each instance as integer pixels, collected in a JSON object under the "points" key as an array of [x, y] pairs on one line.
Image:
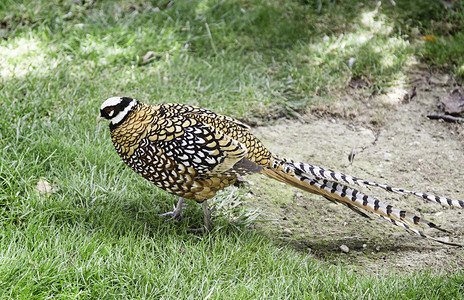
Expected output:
{"points": [[394, 143]]}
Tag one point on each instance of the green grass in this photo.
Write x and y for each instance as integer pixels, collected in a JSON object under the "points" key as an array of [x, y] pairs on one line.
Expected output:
{"points": [[442, 20], [98, 235], [55, 260], [446, 53]]}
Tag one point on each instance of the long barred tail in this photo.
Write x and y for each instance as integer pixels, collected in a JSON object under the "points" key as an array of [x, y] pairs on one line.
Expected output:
{"points": [[320, 173], [294, 174], [396, 216]]}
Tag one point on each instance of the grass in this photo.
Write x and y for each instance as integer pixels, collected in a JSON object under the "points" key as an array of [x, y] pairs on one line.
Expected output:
{"points": [[441, 21], [446, 53], [68, 261], [97, 235]]}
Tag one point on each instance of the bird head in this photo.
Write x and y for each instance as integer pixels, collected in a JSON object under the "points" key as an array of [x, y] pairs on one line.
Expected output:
{"points": [[117, 108]]}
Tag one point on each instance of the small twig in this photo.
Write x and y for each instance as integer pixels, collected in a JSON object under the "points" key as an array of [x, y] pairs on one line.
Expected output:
{"points": [[446, 118], [351, 156]]}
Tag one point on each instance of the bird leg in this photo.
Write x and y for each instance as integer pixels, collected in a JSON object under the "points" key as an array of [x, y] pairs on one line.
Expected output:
{"points": [[207, 219], [207, 216], [177, 212]]}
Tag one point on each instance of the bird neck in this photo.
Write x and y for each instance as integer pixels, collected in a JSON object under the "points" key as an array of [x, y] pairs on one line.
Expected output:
{"points": [[122, 116]]}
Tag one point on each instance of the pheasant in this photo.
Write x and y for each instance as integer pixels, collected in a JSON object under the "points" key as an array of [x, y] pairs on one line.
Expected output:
{"points": [[193, 152]]}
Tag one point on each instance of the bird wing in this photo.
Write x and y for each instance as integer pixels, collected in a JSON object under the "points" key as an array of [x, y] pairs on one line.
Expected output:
{"points": [[200, 146], [257, 155]]}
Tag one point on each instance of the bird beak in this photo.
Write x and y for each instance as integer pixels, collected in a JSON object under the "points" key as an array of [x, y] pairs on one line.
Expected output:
{"points": [[99, 118]]}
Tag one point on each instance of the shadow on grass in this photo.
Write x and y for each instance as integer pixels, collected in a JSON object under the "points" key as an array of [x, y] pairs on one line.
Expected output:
{"points": [[138, 218]]}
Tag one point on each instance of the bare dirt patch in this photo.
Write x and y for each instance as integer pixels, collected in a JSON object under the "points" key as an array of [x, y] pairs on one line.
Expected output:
{"points": [[394, 143]]}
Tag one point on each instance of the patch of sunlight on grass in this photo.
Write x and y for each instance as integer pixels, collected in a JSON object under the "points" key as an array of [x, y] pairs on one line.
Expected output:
{"points": [[202, 8], [91, 46], [388, 57], [369, 27], [371, 24], [375, 22], [370, 50], [23, 56]]}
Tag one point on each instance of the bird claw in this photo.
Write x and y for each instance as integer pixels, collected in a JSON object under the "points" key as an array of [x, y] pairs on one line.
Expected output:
{"points": [[204, 229], [171, 214], [176, 213]]}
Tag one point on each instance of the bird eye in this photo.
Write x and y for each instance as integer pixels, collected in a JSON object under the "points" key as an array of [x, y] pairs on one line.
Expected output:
{"points": [[108, 109]]}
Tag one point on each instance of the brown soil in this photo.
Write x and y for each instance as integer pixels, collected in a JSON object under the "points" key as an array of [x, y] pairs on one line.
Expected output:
{"points": [[393, 143]]}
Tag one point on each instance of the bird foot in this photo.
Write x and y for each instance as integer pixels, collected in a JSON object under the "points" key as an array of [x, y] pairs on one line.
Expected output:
{"points": [[207, 220], [176, 213], [205, 229]]}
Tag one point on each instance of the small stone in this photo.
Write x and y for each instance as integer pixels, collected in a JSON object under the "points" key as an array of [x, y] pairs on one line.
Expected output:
{"points": [[345, 248], [439, 80], [387, 156], [351, 61], [67, 16]]}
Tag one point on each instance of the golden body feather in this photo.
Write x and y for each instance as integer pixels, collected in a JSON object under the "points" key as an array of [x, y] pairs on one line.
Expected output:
{"points": [[187, 151]]}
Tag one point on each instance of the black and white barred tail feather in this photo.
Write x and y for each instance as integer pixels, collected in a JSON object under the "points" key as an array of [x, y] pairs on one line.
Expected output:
{"points": [[396, 216], [293, 174], [339, 177]]}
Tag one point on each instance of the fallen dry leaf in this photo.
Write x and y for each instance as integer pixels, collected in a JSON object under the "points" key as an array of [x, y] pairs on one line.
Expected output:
{"points": [[45, 188], [453, 103], [147, 56], [345, 248]]}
